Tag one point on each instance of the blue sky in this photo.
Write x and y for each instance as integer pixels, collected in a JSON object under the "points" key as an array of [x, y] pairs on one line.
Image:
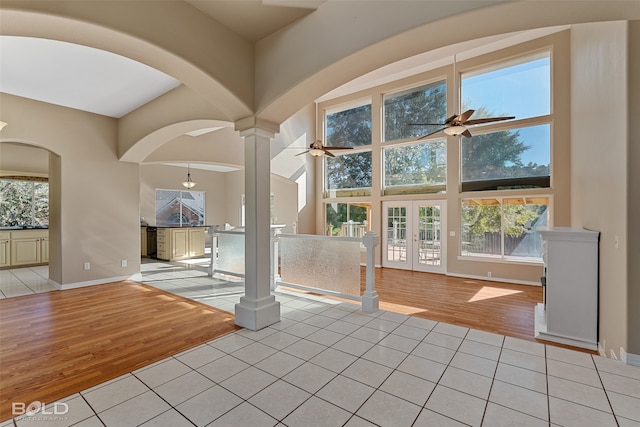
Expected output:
{"points": [[522, 90]]}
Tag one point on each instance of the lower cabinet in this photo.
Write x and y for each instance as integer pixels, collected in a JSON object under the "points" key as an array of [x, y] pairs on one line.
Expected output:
{"points": [[24, 247], [180, 243], [5, 249]]}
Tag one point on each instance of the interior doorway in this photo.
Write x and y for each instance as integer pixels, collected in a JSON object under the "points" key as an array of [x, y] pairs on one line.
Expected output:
{"points": [[414, 235]]}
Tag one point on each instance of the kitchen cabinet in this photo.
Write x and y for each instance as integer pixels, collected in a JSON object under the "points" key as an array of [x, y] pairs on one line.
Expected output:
{"points": [[5, 249], [180, 243], [143, 241], [569, 313], [28, 247], [196, 242]]}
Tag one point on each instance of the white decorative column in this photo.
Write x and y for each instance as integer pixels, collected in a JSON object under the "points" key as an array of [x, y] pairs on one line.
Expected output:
{"points": [[257, 309], [370, 300]]}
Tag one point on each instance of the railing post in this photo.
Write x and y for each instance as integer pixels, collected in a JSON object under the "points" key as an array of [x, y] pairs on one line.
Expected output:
{"points": [[276, 231], [213, 231], [370, 300]]}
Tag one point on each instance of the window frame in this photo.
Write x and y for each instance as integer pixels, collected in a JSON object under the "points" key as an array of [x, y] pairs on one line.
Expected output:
{"points": [[204, 208], [32, 214], [502, 258]]}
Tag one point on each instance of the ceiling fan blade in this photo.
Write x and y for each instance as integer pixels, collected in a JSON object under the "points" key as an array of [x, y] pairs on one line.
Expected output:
{"points": [[432, 133], [337, 148], [327, 153], [465, 116], [466, 133], [425, 124], [450, 119], [304, 152], [487, 120]]}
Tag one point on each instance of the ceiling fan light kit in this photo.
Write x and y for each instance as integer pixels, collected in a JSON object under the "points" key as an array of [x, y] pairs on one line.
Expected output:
{"points": [[316, 149]]}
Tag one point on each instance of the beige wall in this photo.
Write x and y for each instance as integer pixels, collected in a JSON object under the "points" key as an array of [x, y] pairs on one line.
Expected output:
{"points": [[598, 163], [158, 176], [94, 214], [285, 194], [20, 159], [633, 192]]}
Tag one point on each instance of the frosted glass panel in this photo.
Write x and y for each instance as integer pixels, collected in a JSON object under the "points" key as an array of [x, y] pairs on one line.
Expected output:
{"points": [[327, 263], [231, 253]]}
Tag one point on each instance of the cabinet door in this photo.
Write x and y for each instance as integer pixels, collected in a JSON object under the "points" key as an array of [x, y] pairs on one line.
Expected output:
{"points": [[44, 249], [5, 251], [196, 242], [25, 251], [180, 244]]}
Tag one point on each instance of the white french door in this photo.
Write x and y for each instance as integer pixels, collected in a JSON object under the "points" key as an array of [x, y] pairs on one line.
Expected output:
{"points": [[414, 235]]}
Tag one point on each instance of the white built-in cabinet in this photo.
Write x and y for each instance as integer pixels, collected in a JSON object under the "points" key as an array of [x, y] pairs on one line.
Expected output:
{"points": [[180, 243], [569, 313]]}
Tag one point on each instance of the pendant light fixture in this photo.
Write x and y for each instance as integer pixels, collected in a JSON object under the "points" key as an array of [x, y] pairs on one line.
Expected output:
{"points": [[189, 183], [2, 124]]}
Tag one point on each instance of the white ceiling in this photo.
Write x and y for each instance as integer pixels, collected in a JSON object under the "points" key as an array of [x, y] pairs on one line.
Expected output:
{"points": [[104, 83], [77, 76]]}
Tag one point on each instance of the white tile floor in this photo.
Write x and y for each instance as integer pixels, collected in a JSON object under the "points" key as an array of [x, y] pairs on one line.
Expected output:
{"points": [[329, 364]]}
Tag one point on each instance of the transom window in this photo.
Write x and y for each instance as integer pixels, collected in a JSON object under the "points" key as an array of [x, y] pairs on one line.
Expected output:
{"points": [[520, 87]]}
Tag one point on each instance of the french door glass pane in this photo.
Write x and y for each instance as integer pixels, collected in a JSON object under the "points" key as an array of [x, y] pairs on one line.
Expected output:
{"points": [[429, 235], [397, 234]]}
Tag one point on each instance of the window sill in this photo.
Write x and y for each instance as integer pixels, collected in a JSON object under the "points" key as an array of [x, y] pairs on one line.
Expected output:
{"points": [[503, 260]]}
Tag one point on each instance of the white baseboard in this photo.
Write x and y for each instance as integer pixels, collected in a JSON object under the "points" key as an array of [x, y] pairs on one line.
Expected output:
{"points": [[629, 358], [61, 287], [495, 279]]}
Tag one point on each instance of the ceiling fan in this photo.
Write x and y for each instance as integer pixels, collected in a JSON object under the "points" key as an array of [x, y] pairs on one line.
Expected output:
{"points": [[457, 124], [316, 149]]}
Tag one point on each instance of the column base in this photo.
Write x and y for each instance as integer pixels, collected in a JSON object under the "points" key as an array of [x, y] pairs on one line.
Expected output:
{"points": [[370, 302], [257, 314]]}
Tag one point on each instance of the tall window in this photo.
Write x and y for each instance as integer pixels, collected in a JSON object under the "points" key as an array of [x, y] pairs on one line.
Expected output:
{"points": [[504, 227], [24, 203], [350, 127], [403, 110], [348, 219], [515, 156], [415, 168], [349, 172], [176, 208]]}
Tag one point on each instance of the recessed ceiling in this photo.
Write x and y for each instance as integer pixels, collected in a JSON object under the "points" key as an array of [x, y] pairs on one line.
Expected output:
{"points": [[77, 76]]}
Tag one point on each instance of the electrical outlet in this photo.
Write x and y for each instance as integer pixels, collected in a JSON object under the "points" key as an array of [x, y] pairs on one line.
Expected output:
{"points": [[123, 263], [87, 266], [488, 274], [452, 234]]}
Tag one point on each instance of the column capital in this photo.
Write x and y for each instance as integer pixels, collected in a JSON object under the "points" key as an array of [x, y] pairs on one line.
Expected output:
{"points": [[253, 125]]}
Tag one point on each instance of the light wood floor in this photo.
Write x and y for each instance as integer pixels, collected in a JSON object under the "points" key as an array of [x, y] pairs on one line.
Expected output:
{"points": [[502, 308], [57, 343]]}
